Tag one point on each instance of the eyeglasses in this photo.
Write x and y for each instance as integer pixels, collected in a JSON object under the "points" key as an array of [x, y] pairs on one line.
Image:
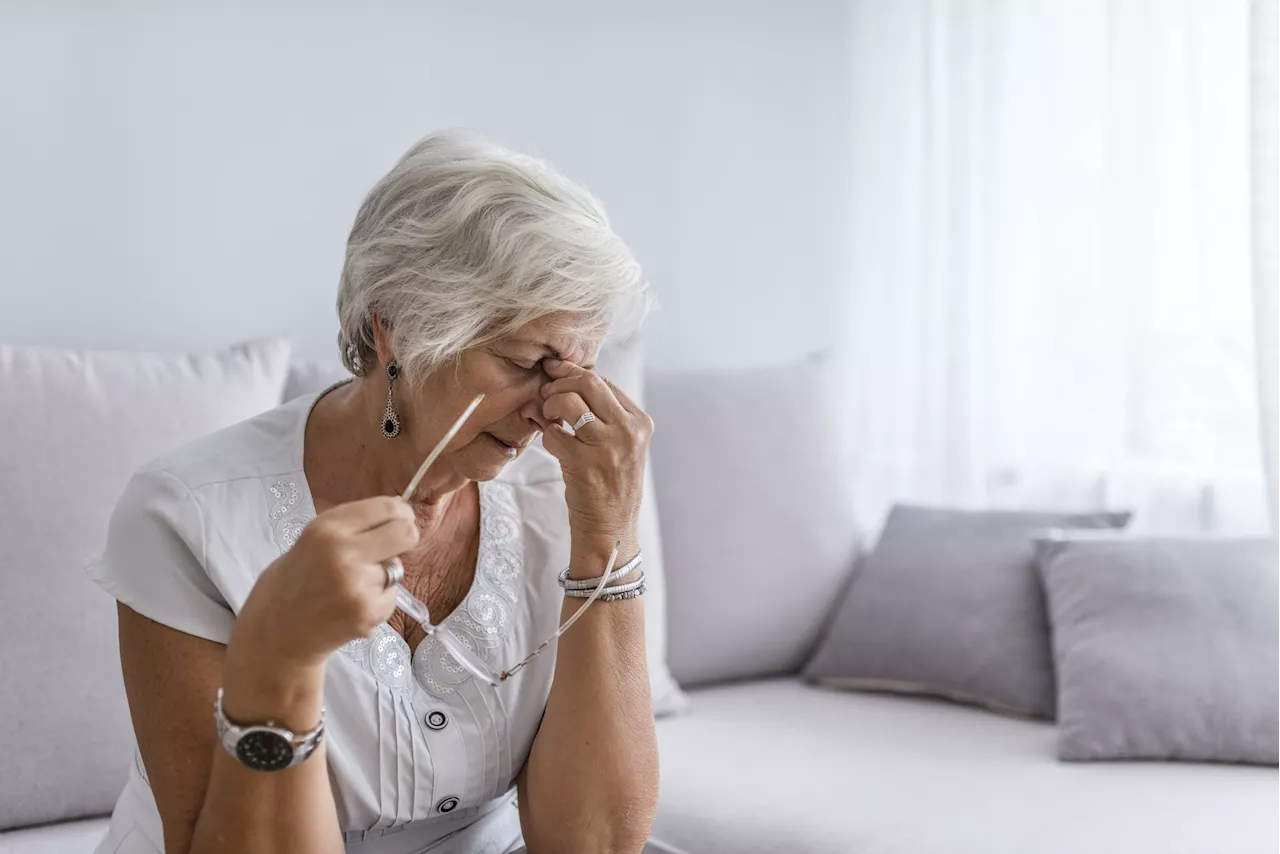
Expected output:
{"points": [[461, 651]]}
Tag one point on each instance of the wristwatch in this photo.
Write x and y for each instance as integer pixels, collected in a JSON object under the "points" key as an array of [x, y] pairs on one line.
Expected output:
{"points": [[267, 747]]}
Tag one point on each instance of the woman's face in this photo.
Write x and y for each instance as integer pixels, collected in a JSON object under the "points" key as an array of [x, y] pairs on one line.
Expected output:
{"points": [[509, 374]]}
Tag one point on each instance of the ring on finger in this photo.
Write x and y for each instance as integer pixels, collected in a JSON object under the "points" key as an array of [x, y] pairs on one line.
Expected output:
{"points": [[395, 572], [585, 419]]}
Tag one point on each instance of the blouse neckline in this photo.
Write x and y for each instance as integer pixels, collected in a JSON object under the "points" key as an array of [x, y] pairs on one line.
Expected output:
{"points": [[482, 619]]}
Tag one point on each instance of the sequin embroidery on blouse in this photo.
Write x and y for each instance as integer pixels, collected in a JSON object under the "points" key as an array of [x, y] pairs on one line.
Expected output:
{"points": [[484, 618], [291, 510], [481, 621]]}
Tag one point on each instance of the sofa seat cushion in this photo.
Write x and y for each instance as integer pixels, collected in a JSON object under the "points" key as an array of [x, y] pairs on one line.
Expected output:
{"points": [[71, 837], [780, 766]]}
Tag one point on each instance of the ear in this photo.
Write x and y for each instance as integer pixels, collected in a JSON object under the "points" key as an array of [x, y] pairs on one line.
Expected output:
{"points": [[381, 341]]}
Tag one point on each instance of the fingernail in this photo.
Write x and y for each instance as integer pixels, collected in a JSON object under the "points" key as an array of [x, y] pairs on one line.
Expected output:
{"points": [[552, 363], [546, 389]]}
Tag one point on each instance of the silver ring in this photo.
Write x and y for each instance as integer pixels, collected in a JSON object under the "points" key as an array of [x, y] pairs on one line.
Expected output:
{"points": [[395, 572], [587, 418]]}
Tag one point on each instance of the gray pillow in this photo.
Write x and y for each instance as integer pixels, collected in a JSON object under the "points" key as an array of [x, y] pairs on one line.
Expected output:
{"points": [[1165, 649], [756, 525], [73, 427], [949, 604]]}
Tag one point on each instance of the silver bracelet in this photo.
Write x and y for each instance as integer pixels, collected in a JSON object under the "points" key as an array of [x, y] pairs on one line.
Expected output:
{"points": [[589, 584], [630, 594], [608, 591]]}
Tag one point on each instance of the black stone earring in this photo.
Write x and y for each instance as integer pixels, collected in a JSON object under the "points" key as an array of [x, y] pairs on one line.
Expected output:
{"points": [[390, 418]]}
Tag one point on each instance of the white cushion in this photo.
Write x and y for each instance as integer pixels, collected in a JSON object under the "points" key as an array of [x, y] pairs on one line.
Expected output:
{"points": [[779, 766], [73, 428], [72, 837], [309, 377]]}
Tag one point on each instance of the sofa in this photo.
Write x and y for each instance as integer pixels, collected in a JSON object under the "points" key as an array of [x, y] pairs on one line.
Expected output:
{"points": [[758, 543]]}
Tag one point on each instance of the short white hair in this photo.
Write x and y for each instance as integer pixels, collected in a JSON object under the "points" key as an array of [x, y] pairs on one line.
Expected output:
{"points": [[463, 242]]}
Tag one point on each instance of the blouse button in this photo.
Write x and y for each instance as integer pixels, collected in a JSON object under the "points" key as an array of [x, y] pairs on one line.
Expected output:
{"points": [[436, 720], [447, 805]]}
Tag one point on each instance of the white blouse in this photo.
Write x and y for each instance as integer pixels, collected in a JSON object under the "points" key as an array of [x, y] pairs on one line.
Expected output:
{"points": [[415, 763]]}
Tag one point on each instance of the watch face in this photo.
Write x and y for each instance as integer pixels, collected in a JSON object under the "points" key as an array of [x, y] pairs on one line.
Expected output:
{"points": [[263, 750]]}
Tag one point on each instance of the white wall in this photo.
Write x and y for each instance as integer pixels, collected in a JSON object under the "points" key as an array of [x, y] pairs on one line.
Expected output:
{"points": [[176, 176]]}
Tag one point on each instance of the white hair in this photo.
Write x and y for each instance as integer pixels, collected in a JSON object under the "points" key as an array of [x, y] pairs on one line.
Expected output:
{"points": [[463, 242]]}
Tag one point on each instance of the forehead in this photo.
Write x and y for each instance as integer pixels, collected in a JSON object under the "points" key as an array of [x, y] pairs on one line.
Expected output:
{"points": [[555, 335]]}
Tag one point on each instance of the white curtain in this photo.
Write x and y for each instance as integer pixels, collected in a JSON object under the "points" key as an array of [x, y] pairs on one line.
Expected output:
{"points": [[1052, 301], [1266, 228]]}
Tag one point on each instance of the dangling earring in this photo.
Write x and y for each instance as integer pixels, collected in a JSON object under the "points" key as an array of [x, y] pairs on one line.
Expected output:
{"points": [[390, 418]]}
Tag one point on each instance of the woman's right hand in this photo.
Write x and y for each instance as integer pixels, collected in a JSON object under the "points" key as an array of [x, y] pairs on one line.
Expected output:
{"points": [[330, 588]]}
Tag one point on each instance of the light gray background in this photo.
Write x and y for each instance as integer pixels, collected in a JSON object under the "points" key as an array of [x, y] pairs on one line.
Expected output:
{"points": [[178, 176]]}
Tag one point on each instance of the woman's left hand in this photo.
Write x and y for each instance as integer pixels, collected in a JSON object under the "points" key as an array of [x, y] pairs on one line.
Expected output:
{"points": [[603, 463]]}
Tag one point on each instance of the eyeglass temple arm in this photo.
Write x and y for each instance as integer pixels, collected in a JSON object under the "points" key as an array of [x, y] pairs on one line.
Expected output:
{"points": [[405, 600], [613, 558], [409, 603]]}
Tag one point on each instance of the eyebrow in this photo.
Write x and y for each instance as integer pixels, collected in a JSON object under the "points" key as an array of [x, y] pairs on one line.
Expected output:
{"points": [[549, 351]]}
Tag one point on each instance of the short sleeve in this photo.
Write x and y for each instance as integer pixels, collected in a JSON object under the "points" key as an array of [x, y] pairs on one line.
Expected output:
{"points": [[154, 558]]}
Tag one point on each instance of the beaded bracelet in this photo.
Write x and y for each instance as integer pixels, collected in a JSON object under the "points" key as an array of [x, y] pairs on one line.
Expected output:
{"points": [[608, 591], [589, 584], [630, 594]]}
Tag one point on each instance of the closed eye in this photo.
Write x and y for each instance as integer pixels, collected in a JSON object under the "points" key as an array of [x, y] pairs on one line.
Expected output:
{"points": [[527, 367]]}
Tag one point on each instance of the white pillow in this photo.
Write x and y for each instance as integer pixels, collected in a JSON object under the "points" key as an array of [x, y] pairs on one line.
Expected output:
{"points": [[73, 427]]}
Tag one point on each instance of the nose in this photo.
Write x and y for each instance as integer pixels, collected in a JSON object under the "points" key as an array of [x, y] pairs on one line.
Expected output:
{"points": [[531, 409]]}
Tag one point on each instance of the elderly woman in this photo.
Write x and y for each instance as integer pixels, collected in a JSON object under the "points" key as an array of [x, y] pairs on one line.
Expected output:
{"points": [[256, 569]]}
